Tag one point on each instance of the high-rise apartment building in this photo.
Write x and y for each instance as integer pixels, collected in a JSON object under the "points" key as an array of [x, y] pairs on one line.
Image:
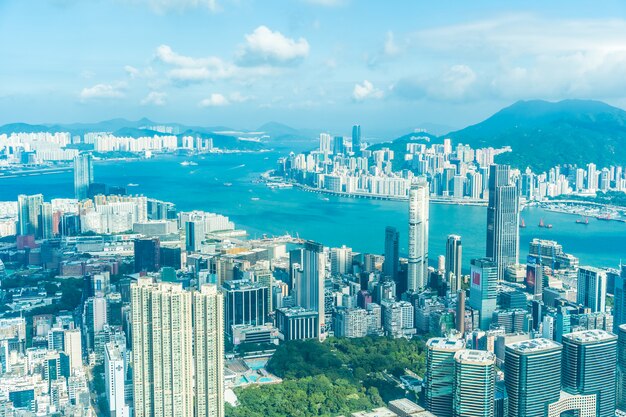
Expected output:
{"points": [[483, 295], [474, 385], [417, 277], [591, 288], [502, 219], [340, 260], [208, 351], [532, 376], [589, 359], [439, 376], [83, 175], [454, 257]]}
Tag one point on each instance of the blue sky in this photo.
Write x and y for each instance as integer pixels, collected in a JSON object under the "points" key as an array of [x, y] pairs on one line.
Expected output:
{"points": [[321, 64]]}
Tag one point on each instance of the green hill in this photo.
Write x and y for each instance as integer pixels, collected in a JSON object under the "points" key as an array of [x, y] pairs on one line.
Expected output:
{"points": [[543, 134]]}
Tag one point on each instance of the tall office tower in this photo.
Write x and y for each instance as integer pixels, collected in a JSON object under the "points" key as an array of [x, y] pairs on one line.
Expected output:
{"points": [[621, 368], [532, 376], [483, 295], [162, 349], [474, 383], [194, 233], [454, 256], [95, 317], [619, 300], [310, 289], [417, 277], [460, 312], [73, 348], [46, 221], [356, 139], [341, 260], [502, 219], [592, 288], [208, 334], [29, 214], [147, 254], [391, 264], [440, 374], [589, 359], [22, 215], [114, 373], [534, 279], [83, 175], [592, 177]]}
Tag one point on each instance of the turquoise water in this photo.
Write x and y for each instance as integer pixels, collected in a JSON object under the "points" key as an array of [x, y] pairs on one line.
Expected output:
{"points": [[358, 223]]}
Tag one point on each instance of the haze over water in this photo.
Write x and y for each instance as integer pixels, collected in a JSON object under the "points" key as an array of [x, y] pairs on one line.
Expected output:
{"points": [[358, 223]]}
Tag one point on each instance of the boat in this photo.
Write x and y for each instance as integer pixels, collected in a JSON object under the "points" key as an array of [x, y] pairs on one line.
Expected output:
{"points": [[255, 199], [522, 225], [188, 163], [542, 224], [228, 184], [581, 221], [132, 185]]}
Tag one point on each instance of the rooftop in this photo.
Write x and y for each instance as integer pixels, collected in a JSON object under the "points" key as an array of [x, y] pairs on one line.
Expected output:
{"points": [[442, 343], [590, 336], [476, 357], [533, 345]]}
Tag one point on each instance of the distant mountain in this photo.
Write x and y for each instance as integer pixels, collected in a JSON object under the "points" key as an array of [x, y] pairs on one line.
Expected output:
{"points": [[543, 134]]}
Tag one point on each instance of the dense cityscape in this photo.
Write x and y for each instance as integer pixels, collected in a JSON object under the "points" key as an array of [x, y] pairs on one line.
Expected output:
{"points": [[312, 208], [118, 304]]}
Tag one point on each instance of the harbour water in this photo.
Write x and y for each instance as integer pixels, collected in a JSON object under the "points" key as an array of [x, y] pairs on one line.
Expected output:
{"points": [[226, 184]]}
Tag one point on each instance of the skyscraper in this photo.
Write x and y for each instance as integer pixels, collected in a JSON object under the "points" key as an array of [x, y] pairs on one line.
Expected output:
{"points": [[194, 233], [208, 334], [621, 368], [532, 376], [114, 373], [310, 288], [83, 175], [589, 359], [22, 215], [440, 374], [592, 288], [502, 219], [483, 295], [45, 224], [474, 383], [162, 349], [417, 277], [619, 292], [246, 303], [147, 254], [356, 139], [392, 254], [454, 256]]}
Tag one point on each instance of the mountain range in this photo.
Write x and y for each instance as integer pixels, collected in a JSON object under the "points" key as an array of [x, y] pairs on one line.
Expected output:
{"points": [[542, 134]]}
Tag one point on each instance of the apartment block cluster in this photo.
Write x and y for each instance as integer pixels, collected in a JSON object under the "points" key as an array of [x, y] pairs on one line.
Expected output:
{"points": [[52, 147], [459, 173]]}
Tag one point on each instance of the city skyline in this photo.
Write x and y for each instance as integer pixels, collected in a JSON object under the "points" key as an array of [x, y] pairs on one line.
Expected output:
{"points": [[292, 62]]}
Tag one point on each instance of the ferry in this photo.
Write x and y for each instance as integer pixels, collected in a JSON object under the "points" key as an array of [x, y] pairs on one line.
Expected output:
{"points": [[188, 163], [581, 221]]}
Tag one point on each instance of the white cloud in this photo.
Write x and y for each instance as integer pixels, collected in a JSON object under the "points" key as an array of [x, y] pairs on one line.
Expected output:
{"points": [[328, 3], [520, 56], [132, 71], [162, 6], [155, 98], [215, 100], [237, 97], [264, 46], [391, 48], [103, 91], [366, 90]]}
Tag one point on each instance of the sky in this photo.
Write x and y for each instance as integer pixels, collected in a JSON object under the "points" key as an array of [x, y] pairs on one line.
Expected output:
{"points": [[318, 64]]}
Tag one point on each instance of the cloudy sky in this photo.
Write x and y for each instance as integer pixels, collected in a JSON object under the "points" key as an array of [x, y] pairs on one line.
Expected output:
{"points": [[321, 64]]}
